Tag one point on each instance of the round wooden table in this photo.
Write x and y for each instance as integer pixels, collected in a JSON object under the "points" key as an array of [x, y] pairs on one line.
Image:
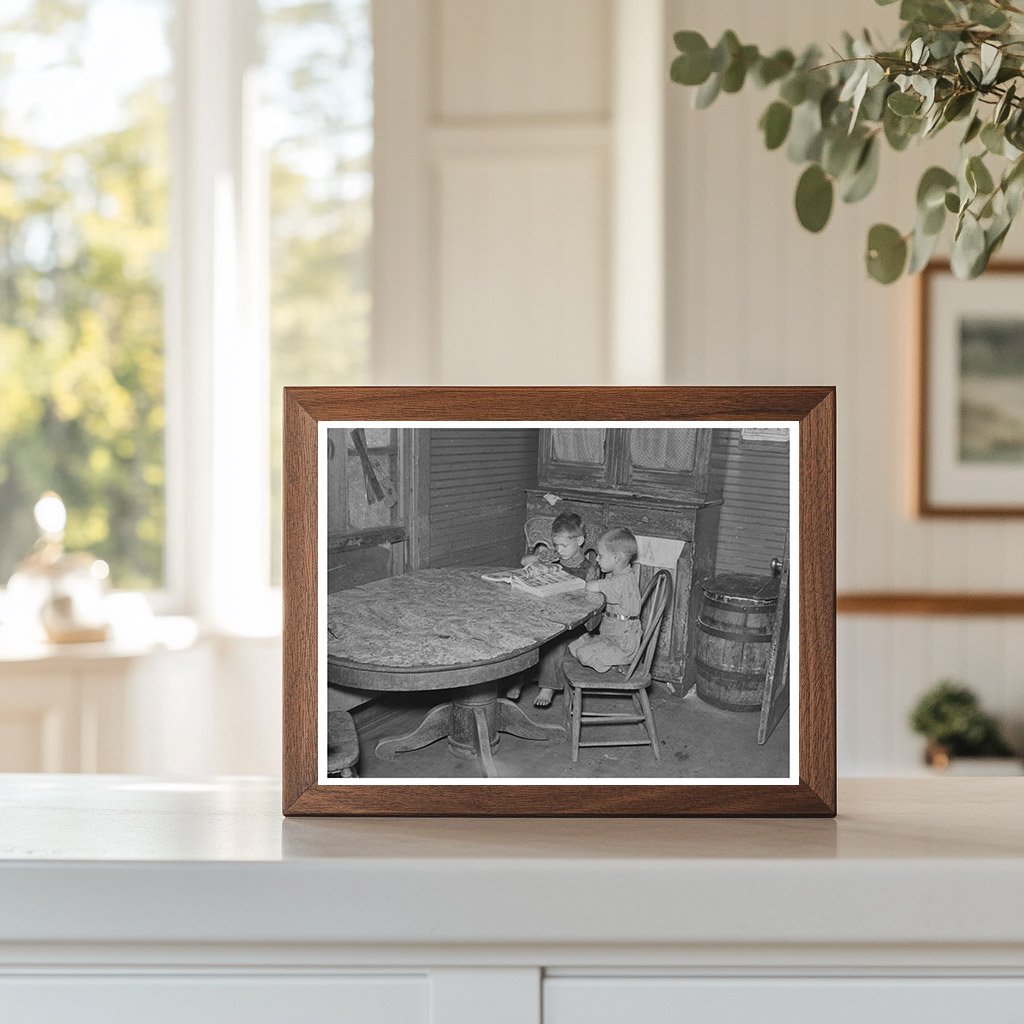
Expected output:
{"points": [[448, 629]]}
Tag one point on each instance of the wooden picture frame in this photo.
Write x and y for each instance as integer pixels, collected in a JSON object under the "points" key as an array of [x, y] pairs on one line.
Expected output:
{"points": [[808, 411], [969, 447]]}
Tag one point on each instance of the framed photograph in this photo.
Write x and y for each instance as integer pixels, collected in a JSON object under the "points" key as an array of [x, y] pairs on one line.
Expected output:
{"points": [[559, 601], [970, 450]]}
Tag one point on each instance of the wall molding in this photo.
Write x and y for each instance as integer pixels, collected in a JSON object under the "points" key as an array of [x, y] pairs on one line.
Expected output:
{"points": [[928, 603]]}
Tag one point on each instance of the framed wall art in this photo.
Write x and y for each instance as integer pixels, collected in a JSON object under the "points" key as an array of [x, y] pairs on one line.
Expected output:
{"points": [[559, 601], [970, 445]]}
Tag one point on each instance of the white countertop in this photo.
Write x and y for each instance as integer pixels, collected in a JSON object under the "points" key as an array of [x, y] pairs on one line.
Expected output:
{"points": [[122, 859]]}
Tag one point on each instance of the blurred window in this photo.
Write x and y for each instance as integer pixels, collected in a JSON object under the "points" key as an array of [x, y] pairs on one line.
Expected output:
{"points": [[87, 193], [317, 127], [83, 240]]}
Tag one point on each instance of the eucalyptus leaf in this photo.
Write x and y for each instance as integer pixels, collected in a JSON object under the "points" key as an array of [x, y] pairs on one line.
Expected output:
{"points": [[775, 123], [707, 93], [968, 247], [978, 176], [931, 12], [794, 88], [973, 129], [952, 202], [958, 105], [922, 248], [987, 15], [840, 152], [899, 130], [771, 69], [1013, 187], [904, 103], [865, 173], [995, 233], [828, 104], [814, 194], [991, 60], [694, 66], [805, 133], [993, 138], [857, 78], [873, 106], [735, 74], [966, 189], [886, 253], [931, 190], [724, 51], [932, 221], [854, 92], [1014, 191], [1005, 104], [933, 122], [944, 44], [688, 42]]}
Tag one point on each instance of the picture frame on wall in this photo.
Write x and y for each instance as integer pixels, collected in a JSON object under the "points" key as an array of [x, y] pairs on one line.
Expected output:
{"points": [[970, 415], [559, 601]]}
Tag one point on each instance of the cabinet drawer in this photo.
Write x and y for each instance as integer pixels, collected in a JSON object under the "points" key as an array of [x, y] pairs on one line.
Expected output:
{"points": [[782, 1000], [652, 522], [205, 999]]}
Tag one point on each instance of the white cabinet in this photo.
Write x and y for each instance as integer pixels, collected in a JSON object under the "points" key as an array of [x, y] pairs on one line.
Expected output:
{"points": [[824, 1000], [133, 898], [199, 999]]}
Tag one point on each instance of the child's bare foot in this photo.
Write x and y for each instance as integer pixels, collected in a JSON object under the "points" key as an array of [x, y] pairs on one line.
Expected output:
{"points": [[513, 692], [544, 698]]}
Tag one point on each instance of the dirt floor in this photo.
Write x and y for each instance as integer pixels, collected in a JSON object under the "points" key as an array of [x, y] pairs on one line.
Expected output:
{"points": [[696, 740]]}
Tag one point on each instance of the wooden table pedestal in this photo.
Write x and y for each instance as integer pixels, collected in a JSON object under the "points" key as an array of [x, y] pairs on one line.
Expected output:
{"points": [[473, 720]]}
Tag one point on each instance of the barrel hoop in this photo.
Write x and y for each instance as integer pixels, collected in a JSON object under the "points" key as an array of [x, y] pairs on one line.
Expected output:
{"points": [[752, 603], [726, 634], [750, 676], [725, 705]]}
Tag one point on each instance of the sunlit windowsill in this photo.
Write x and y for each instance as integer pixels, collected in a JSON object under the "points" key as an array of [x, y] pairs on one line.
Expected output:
{"points": [[161, 633], [134, 635]]}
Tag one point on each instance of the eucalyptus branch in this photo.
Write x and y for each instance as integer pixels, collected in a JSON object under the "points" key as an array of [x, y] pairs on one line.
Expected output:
{"points": [[834, 116]]}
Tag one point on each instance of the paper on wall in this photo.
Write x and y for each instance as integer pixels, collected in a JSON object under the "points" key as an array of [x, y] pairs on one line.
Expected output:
{"points": [[662, 552]]}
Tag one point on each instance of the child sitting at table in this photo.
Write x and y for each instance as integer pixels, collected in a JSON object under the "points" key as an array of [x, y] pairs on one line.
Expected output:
{"points": [[619, 636], [567, 537]]}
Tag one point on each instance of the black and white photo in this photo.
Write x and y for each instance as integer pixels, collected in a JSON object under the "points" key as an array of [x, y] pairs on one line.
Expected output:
{"points": [[557, 602]]}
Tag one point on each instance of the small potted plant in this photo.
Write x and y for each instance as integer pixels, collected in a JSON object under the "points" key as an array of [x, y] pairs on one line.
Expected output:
{"points": [[950, 717]]}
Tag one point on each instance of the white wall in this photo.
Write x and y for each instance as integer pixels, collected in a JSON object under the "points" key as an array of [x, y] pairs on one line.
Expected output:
{"points": [[754, 299], [505, 132]]}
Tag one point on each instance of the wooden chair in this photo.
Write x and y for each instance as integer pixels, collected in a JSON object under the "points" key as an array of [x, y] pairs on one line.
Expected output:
{"points": [[342, 745], [538, 531], [633, 679]]}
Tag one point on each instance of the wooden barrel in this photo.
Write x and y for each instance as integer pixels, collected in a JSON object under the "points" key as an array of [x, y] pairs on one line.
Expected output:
{"points": [[734, 634]]}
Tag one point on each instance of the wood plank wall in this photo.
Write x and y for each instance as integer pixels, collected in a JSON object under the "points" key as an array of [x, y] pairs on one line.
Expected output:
{"points": [[755, 503], [477, 502]]}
